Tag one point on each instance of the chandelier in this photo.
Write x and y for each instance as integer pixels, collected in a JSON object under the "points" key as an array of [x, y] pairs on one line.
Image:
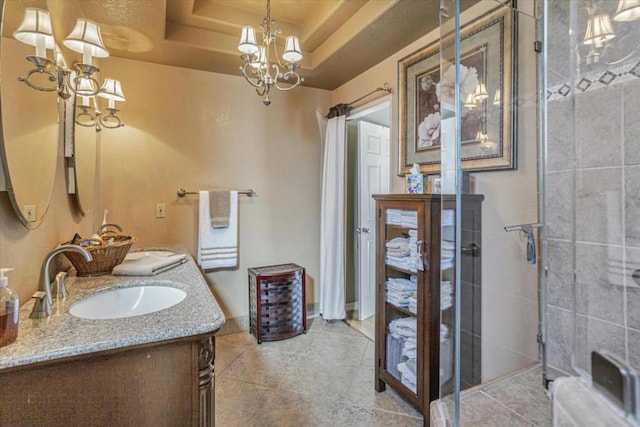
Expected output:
{"points": [[258, 70], [86, 39]]}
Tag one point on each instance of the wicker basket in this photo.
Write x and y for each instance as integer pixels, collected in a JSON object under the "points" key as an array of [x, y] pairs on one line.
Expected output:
{"points": [[105, 256]]}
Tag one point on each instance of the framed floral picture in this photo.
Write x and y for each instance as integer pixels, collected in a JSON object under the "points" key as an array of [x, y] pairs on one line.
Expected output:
{"points": [[486, 91]]}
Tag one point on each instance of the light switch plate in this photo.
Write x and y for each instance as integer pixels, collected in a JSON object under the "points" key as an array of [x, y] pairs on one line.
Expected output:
{"points": [[160, 211], [30, 212]]}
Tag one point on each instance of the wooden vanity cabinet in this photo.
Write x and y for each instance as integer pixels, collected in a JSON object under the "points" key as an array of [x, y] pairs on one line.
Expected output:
{"points": [[169, 383], [427, 221]]}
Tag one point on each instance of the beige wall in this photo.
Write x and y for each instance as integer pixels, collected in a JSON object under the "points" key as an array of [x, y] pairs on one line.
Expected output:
{"points": [[510, 289], [199, 130]]}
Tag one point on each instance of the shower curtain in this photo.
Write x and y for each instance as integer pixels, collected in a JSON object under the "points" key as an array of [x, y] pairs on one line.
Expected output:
{"points": [[332, 256]]}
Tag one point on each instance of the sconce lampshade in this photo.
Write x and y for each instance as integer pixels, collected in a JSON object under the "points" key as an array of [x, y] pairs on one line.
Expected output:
{"points": [[599, 30], [35, 30], [480, 93], [112, 90], [85, 88], [247, 44], [497, 98], [469, 102], [292, 52], [86, 38], [481, 136], [628, 10]]}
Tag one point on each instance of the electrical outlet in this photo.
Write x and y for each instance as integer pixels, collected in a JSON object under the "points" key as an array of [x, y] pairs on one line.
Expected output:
{"points": [[30, 212], [160, 212]]}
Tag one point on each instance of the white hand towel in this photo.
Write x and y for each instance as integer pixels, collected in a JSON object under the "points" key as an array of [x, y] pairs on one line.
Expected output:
{"points": [[149, 265], [217, 247]]}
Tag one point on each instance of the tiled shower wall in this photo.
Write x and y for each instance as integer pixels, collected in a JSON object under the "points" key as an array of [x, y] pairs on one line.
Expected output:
{"points": [[593, 192]]}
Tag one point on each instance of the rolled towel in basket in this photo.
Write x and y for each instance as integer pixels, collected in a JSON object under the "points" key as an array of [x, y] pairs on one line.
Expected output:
{"points": [[149, 265]]}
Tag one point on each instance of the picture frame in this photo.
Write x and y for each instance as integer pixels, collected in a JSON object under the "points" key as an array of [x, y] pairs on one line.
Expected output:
{"points": [[487, 88]]}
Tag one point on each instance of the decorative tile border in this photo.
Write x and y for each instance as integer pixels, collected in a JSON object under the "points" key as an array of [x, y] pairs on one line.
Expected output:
{"points": [[594, 81]]}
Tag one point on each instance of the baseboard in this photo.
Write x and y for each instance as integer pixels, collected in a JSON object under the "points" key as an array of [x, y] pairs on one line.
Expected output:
{"points": [[235, 325]]}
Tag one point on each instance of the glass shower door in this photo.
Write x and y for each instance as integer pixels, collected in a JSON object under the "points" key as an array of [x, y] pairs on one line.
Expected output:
{"points": [[593, 181], [491, 146]]}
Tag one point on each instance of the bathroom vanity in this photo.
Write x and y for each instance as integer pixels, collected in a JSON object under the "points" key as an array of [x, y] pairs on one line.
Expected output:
{"points": [[153, 369]]}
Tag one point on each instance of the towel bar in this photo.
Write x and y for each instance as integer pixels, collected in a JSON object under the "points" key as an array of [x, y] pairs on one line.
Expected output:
{"points": [[182, 192]]}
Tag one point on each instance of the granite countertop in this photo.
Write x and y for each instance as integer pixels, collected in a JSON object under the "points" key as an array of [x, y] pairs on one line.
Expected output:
{"points": [[63, 335]]}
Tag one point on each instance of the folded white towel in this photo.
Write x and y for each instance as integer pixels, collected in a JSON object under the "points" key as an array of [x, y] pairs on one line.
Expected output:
{"points": [[398, 253], [397, 243], [149, 265], [217, 247]]}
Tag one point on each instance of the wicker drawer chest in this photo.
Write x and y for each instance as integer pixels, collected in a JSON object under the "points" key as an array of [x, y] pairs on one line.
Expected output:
{"points": [[277, 302]]}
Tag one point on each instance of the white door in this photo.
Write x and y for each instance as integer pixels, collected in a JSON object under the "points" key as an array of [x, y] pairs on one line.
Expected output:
{"points": [[373, 178]]}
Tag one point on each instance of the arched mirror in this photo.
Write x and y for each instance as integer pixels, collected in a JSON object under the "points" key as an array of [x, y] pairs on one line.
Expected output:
{"points": [[30, 132]]}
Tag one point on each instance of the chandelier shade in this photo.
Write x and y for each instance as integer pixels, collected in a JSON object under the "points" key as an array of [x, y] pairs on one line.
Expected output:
{"points": [[258, 70], [292, 52], [247, 44]]}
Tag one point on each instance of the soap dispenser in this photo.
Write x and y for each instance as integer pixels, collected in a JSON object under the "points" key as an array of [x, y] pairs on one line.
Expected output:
{"points": [[9, 311]]}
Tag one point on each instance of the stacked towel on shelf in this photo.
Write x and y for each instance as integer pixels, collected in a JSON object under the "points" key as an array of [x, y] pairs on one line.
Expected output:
{"points": [[409, 219], [409, 350], [403, 253], [217, 247], [404, 326], [393, 216], [404, 263], [446, 295], [448, 254], [404, 329], [413, 302], [446, 364], [408, 377], [398, 247], [399, 290], [447, 217], [401, 217], [395, 344]]}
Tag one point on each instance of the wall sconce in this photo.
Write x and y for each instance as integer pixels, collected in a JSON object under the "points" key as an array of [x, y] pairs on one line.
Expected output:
{"points": [[85, 38], [35, 30], [469, 102], [112, 91], [628, 10], [481, 93], [497, 97]]}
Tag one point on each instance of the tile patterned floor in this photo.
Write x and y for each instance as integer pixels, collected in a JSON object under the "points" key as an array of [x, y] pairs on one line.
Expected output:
{"points": [[322, 378], [517, 400], [326, 378]]}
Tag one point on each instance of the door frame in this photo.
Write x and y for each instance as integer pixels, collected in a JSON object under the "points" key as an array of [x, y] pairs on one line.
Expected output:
{"points": [[357, 114]]}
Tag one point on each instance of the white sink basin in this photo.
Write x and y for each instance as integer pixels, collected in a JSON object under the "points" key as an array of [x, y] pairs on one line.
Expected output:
{"points": [[127, 302]]}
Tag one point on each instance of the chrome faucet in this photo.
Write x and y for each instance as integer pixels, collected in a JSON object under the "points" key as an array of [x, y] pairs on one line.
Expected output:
{"points": [[45, 284]]}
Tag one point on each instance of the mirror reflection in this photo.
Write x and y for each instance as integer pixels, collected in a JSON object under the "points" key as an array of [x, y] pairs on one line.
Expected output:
{"points": [[84, 160], [29, 125]]}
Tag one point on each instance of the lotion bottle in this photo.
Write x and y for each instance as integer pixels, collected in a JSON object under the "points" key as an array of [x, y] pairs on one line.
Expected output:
{"points": [[9, 310]]}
